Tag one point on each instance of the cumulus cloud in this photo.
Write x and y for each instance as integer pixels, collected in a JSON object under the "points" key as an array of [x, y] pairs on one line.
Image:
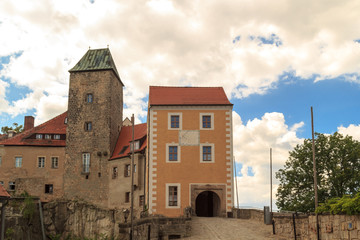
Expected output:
{"points": [[162, 42], [252, 143], [351, 130]]}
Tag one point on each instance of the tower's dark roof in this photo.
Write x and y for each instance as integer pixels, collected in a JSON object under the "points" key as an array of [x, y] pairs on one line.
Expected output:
{"points": [[95, 60]]}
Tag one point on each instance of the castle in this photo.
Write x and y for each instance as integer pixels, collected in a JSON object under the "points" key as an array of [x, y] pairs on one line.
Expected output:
{"points": [[182, 155]]}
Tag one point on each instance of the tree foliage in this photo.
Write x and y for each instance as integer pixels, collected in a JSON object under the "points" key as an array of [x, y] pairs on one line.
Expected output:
{"points": [[338, 167], [345, 205], [16, 127]]}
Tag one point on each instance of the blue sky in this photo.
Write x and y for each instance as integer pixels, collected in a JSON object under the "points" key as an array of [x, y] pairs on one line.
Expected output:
{"points": [[274, 61], [335, 102]]}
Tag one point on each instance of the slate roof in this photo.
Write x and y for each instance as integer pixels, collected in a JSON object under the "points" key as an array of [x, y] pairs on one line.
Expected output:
{"points": [[27, 138], [96, 60], [3, 192], [165, 96], [125, 138]]}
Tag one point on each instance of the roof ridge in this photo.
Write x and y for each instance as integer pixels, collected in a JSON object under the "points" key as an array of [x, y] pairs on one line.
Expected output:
{"points": [[185, 86]]}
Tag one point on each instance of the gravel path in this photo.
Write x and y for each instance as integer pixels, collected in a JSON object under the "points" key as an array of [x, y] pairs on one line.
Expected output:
{"points": [[229, 228]]}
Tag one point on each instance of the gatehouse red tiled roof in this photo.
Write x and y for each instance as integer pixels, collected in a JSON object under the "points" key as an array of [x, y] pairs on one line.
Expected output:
{"points": [[187, 96], [125, 138], [54, 126], [3, 192]]}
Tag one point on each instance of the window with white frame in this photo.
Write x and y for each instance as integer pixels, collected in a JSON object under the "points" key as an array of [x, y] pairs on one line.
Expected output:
{"points": [[2, 183], [207, 153], [173, 153], [173, 195], [18, 162], [86, 162], [54, 162], [174, 121], [57, 136], [47, 136], [39, 136], [207, 121], [41, 162]]}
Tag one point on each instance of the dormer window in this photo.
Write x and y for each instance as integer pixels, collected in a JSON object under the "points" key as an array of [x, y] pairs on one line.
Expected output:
{"points": [[47, 136], [136, 145], [89, 98], [57, 136], [123, 150], [39, 136]]}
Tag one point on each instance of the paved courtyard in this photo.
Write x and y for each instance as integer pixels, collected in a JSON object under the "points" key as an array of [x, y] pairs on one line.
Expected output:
{"points": [[230, 228]]}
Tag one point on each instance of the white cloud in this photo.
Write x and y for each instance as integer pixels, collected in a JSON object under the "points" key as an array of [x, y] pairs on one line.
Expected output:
{"points": [[351, 130], [162, 42], [252, 143], [3, 103]]}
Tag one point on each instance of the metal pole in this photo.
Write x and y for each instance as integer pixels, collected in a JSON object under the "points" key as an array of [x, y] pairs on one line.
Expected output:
{"points": [[132, 179], [293, 217], [315, 174], [237, 194], [271, 180]]}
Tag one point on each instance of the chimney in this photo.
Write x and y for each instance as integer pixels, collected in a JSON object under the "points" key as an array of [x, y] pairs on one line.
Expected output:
{"points": [[28, 122]]}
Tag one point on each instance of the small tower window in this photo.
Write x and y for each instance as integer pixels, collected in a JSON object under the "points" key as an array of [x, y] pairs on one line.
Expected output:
{"points": [[49, 189], [89, 98], [88, 126]]}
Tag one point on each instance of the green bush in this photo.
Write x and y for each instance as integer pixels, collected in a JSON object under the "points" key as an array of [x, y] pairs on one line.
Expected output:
{"points": [[345, 205]]}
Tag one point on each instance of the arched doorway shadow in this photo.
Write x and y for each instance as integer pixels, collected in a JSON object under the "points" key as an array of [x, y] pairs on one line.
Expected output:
{"points": [[207, 204]]}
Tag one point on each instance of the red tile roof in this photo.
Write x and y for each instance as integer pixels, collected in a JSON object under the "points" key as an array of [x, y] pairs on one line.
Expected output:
{"points": [[125, 138], [3, 192], [53, 126], [187, 96]]}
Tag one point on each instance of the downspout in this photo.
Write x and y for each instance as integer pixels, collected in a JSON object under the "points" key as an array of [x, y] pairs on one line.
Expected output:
{"points": [[148, 160], [144, 179]]}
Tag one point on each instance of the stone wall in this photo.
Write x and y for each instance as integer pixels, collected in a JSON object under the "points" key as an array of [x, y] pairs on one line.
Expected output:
{"points": [[157, 228], [332, 227], [254, 214], [63, 219]]}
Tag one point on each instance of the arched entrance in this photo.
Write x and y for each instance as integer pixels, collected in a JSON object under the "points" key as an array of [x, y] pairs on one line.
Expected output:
{"points": [[207, 204]]}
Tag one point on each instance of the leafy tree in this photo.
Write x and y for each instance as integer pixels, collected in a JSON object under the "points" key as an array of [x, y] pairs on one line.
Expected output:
{"points": [[338, 167], [16, 127]]}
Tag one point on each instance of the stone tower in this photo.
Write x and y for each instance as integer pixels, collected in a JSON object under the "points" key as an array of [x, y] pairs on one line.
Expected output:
{"points": [[95, 108]]}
